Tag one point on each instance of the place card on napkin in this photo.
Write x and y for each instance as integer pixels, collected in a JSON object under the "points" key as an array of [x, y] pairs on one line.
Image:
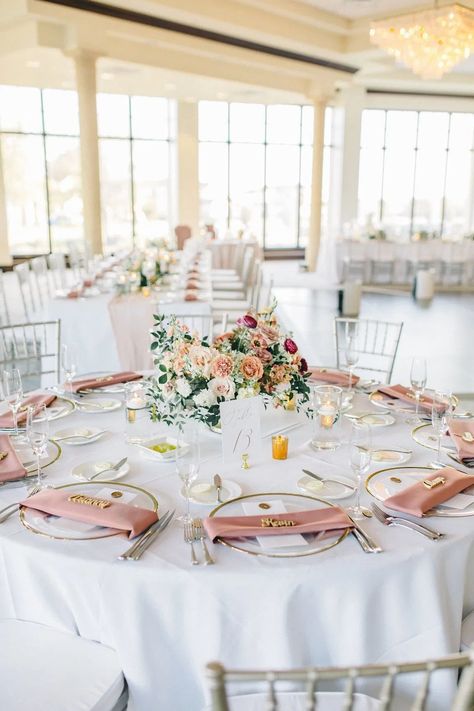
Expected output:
{"points": [[400, 392], [465, 450], [34, 400], [92, 509], [328, 375], [240, 422], [274, 507], [67, 525], [10, 466], [103, 381], [433, 490]]}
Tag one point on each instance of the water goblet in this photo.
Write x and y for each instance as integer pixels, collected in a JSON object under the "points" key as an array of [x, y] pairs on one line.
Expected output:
{"points": [[440, 411], [188, 459], [37, 431], [418, 384], [13, 392], [68, 364], [352, 357], [359, 460]]}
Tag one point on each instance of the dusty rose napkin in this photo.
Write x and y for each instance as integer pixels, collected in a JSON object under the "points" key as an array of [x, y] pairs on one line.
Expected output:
{"points": [[10, 467], [34, 400], [191, 296], [331, 518], [405, 394], [417, 499], [465, 449], [121, 517], [75, 293], [333, 377], [103, 381]]}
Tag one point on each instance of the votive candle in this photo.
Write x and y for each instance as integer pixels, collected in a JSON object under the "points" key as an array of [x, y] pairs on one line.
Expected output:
{"points": [[279, 447]]}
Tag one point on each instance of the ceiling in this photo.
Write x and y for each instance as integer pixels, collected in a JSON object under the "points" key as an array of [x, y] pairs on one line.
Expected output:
{"points": [[353, 9]]}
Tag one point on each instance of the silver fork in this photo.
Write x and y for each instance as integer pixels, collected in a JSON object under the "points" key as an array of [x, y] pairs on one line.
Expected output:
{"points": [[189, 538], [199, 535], [15, 506]]}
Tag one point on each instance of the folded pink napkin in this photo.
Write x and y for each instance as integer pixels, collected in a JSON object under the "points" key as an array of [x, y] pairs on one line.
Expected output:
{"points": [[191, 296], [331, 518], [192, 284], [10, 466], [75, 293], [335, 377], [417, 499], [121, 517], [456, 430], [34, 400], [103, 381], [407, 395]]}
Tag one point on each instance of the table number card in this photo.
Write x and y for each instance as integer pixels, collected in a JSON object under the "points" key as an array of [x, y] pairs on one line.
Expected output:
{"points": [[240, 422]]}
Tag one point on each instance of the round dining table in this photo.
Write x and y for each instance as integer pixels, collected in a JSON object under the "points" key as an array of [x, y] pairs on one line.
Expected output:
{"points": [[167, 618]]}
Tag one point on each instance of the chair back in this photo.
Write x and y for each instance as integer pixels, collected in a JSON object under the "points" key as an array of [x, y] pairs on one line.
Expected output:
{"points": [[27, 291], [33, 348], [4, 311], [182, 232], [39, 267], [57, 269], [375, 342], [196, 316], [375, 687]]}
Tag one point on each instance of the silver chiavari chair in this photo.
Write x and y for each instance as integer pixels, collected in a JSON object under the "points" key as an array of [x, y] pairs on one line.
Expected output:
{"points": [[57, 270], [34, 349], [39, 268], [199, 320], [27, 289], [4, 310], [385, 683], [375, 343]]}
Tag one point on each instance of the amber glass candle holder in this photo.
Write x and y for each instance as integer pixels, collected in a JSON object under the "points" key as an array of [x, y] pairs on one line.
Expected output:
{"points": [[279, 447]]}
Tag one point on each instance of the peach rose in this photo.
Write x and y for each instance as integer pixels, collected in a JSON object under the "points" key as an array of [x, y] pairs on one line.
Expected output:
{"points": [[222, 387], [271, 334], [222, 366], [263, 355], [201, 358], [251, 367], [278, 373]]}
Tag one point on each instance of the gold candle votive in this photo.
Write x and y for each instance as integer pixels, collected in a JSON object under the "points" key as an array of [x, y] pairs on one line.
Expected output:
{"points": [[279, 447]]}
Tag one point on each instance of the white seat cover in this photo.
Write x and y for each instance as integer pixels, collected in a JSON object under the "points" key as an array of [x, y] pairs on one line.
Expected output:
{"points": [[42, 669], [467, 632], [290, 701]]}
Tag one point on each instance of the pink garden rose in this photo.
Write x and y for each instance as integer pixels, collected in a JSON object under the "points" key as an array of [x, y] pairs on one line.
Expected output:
{"points": [[201, 358], [251, 367], [290, 346], [271, 334], [263, 355], [222, 387], [222, 366]]}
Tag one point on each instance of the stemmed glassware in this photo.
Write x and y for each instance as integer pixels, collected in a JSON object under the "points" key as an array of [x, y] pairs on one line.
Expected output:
{"points": [[68, 364], [188, 460], [13, 391], [440, 411], [359, 458], [37, 431], [418, 383], [351, 348]]}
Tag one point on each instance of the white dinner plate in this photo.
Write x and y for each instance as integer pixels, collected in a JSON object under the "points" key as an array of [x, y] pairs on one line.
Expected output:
{"points": [[204, 492], [89, 435], [66, 529], [61, 407], [98, 406], [389, 456], [386, 482], [375, 419], [327, 489], [85, 470]]}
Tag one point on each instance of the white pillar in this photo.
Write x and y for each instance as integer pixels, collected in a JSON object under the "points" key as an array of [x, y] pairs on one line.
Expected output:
{"points": [[351, 102], [86, 92], [5, 256], [314, 238], [188, 166]]}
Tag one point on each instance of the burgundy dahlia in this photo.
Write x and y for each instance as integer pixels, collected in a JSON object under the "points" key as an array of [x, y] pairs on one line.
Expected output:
{"points": [[290, 346], [303, 365]]}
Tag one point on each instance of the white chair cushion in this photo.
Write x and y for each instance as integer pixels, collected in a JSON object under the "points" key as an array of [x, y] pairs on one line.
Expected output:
{"points": [[42, 669], [290, 701], [467, 632]]}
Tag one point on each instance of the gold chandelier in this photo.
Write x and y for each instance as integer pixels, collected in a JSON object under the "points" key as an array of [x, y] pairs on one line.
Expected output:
{"points": [[430, 42]]}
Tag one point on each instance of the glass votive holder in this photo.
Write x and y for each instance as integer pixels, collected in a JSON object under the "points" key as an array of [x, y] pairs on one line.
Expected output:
{"points": [[326, 417], [137, 416], [279, 447]]}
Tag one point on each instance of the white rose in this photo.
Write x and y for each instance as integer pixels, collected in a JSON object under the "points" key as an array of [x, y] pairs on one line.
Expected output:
{"points": [[222, 387], [205, 399], [245, 392], [183, 387]]}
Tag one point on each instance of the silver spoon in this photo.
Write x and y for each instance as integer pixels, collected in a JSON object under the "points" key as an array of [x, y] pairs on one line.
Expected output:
{"points": [[114, 468]]}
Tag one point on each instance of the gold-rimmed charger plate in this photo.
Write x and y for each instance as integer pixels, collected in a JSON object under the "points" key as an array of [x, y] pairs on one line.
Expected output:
{"points": [[293, 502], [392, 480], [427, 437], [63, 529], [396, 405], [26, 454], [61, 407]]}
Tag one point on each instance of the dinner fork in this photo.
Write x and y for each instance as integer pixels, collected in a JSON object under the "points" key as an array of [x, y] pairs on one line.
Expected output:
{"points": [[199, 535], [16, 505], [189, 538]]}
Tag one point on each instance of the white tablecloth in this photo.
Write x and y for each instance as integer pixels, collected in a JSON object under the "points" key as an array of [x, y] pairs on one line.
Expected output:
{"points": [[166, 619]]}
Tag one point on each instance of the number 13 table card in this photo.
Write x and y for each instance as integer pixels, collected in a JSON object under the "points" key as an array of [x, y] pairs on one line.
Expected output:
{"points": [[240, 422]]}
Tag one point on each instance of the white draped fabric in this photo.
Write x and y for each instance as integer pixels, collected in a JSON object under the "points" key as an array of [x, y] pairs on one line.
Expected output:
{"points": [[167, 619]]}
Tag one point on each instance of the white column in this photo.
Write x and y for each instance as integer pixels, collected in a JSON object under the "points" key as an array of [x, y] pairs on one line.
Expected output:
{"points": [[5, 256], [86, 91], [314, 238], [188, 165], [351, 102]]}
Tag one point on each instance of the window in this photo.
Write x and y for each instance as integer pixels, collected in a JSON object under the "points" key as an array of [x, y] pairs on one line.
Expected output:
{"points": [[255, 165], [135, 146], [39, 144], [416, 171]]}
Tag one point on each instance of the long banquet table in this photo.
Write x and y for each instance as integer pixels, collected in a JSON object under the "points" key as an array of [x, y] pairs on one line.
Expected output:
{"points": [[167, 619]]}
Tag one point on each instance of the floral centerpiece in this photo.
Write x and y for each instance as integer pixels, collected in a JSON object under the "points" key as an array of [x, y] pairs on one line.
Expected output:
{"points": [[194, 376]]}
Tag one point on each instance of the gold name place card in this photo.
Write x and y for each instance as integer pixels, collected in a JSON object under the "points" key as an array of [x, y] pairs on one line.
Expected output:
{"points": [[3, 455], [89, 501], [105, 379], [432, 483], [276, 523]]}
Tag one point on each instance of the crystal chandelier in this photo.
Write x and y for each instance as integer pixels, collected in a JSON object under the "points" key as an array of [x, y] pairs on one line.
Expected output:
{"points": [[430, 42]]}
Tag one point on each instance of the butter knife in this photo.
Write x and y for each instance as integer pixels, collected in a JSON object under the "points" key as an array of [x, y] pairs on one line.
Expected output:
{"points": [[218, 485], [367, 543], [155, 527]]}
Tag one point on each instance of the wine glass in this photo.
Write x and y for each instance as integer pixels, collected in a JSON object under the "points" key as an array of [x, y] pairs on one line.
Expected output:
{"points": [[68, 364], [418, 383], [359, 460], [148, 270], [13, 391], [188, 459], [37, 431], [352, 356], [440, 411]]}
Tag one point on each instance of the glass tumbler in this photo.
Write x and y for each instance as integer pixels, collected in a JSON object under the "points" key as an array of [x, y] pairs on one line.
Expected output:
{"points": [[326, 417]]}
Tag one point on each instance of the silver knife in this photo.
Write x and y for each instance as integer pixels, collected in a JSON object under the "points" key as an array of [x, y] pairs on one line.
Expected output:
{"points": [[154, 527], [144, 545], [218, 485], [389, 520], [368, 544]]}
